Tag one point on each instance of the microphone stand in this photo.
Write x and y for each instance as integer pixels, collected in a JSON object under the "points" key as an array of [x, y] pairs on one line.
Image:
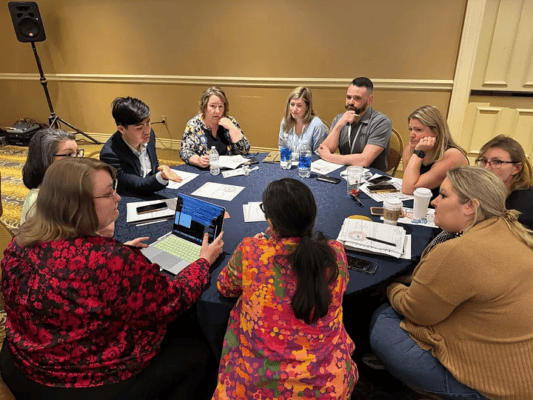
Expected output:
{"points": [[53, 119]]}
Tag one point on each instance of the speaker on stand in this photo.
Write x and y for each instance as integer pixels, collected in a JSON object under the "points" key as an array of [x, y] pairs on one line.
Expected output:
{"points": [[29, 28]]}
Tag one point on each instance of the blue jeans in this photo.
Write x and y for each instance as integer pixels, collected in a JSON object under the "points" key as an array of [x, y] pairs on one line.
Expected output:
{"points": [[408, 362]]}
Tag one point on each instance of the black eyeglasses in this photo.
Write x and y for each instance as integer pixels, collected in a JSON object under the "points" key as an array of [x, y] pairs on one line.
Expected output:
{"points": [[494, 163], [262, 207], [77, 153], [112, 194]]}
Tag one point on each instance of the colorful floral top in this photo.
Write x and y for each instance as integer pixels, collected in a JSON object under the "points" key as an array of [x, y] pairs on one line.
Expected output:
{"points": [[270, 354], [90, 311], [194, 140]]}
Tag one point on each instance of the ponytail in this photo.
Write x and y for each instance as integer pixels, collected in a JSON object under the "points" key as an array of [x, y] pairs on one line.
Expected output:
{"points": [[315, 267], [511, 219]]}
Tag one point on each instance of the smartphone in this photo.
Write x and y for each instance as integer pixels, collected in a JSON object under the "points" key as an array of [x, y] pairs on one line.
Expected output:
{"points": [[329, 179], [379, 179], [376, 210], [152, 207], [382, 188], [360, 265]]}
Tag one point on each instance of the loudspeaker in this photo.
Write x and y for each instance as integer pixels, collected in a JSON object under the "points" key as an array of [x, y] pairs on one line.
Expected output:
{"points": [[27, 21]]}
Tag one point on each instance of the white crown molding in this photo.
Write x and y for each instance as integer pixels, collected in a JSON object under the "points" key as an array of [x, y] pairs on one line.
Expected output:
{"points": [[441, 85]]}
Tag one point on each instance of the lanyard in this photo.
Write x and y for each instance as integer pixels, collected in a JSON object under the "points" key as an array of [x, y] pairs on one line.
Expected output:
{"points": [[352, 144]]}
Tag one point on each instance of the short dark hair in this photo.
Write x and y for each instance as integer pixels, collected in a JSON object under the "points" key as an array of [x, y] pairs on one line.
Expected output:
{"points": [[41, 151], [129, 111], [292, 210], [362, 81]]}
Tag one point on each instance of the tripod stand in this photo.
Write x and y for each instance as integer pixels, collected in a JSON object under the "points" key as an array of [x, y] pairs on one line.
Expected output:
{"points": [[53, 119]]}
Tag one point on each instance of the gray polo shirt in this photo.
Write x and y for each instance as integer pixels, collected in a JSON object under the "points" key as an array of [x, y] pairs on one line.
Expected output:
{"points": [[374, 128]]}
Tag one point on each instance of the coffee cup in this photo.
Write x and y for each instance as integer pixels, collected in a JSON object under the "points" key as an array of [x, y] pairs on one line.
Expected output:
{"points": [[391, 211], [422, 198], [354, 175]]}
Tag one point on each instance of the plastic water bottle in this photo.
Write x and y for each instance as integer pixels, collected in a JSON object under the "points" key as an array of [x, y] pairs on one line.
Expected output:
{"points": [[304, 161], [214, 167], [285, 153]]}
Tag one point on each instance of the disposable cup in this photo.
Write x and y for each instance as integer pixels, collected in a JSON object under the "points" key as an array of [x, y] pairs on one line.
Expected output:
{"points": [[422, 198], [391, 211], [353, 177]]}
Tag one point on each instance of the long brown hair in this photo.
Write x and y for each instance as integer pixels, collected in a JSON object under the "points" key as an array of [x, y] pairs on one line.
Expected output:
{"points": [[306, 95], [524, 178], [65, 205]]}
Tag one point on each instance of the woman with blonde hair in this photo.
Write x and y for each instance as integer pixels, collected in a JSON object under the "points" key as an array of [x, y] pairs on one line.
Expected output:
{"points": [[89, 317], [212, 127], [300, 122], [464, 327], [506, 158], [431, 151]]}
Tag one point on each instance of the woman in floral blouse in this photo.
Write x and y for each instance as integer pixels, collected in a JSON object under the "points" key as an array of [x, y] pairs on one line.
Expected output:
{"points": [[87, 315], [285, 337], [212, 127]]}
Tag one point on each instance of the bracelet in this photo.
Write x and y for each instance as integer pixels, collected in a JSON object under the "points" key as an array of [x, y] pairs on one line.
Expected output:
{"points": [[419, 153]]}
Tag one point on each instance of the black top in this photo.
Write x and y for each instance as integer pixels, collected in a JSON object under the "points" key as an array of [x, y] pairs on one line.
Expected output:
{"points": [[220, 142], [522, 200]]}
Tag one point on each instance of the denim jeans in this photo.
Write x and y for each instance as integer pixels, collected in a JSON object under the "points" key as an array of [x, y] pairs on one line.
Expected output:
{"points": [[408, 362]]}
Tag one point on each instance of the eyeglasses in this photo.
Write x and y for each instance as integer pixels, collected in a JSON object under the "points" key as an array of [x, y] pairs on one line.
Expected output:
{"points": [[112, 194], [77, 153], [494, 163], [262, 207]]}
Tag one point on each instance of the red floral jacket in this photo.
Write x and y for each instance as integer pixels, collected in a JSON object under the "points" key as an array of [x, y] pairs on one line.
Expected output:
{"points": [[90, 311]]}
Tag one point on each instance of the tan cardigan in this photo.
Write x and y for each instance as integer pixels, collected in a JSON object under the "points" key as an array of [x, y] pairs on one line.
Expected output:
{"points": [[471, 304]]}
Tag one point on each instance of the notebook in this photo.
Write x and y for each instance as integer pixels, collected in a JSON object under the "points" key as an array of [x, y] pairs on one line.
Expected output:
{"points": [[177, 249]]}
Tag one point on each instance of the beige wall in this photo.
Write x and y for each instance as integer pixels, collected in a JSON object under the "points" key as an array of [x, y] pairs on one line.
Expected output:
{"points": [[166, 52]]}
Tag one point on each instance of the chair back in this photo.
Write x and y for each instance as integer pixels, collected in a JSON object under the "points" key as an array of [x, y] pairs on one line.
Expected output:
{"points": [[5, 238], [395, 152]]}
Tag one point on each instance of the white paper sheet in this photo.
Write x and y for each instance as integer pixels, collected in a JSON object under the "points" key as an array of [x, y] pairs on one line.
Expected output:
{"points": [[186, 178], [252, 212], [218, 191], [324, 167], [231, 162], [132, 216], [381, 197]]}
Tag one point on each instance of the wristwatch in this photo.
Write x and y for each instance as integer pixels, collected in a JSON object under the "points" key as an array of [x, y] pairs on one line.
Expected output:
{"points": [[419, 153]]}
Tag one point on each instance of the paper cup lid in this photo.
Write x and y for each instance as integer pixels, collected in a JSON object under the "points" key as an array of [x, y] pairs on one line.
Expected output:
{"points": [[393, 202], [423, 192]]}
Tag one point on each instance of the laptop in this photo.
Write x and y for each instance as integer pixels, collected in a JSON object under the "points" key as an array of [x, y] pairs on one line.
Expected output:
{"points": [[177, 249]]}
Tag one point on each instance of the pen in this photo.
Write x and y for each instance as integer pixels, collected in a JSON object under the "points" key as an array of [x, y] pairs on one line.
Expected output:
{"points": [[358, 201], [380, 241]]}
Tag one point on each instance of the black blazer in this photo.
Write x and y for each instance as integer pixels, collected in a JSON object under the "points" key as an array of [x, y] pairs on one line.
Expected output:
{"points": [[128, 167]]}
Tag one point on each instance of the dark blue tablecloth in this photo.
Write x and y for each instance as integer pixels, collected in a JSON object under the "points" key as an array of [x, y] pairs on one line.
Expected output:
{"points": [[334, 205]]}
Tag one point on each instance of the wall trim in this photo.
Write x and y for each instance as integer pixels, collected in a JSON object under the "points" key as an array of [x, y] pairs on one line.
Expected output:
{"points": [[439, 85], [160, 143]]}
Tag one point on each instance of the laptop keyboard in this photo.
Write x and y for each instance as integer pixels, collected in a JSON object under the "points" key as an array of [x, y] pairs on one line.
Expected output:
{"points": [[180, 248]]}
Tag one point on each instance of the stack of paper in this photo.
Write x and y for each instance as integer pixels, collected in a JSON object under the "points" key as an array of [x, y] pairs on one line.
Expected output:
{"points": [[396, 182], [252, 212], [231, 162], [372, 237]]}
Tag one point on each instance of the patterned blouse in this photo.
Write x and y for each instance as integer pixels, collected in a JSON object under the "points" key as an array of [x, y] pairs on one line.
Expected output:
{"points": [[90, 311], [194, 140], [270, 354]]}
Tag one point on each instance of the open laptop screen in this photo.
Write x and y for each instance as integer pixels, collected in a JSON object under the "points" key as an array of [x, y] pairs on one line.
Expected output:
{"points": [[194, 217]]}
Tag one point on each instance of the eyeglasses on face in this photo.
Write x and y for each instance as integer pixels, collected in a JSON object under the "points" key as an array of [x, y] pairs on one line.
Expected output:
{"points": [[112, 194], [494, 163], [262, 207], [77, 153]]}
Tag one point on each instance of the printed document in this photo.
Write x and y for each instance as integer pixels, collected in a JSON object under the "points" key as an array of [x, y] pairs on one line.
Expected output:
{"points": [[133, 216], [322, 167], [218, 191], [252, 212], [372, 237], [185, 176]]}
